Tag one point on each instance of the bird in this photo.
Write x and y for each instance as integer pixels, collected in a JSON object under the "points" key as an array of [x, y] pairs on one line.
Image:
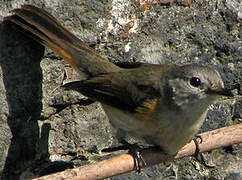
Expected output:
{"points": [[164, 105]]}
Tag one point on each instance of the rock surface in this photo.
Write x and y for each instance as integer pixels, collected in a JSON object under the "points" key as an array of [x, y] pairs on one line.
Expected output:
{"points": [[45, 129]]}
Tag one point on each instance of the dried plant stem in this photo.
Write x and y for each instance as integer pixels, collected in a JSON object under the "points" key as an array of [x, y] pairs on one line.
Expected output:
{"points": [[125, 163]]}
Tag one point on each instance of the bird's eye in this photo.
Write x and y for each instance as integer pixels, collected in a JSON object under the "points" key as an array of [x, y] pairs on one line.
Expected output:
{"points": [[195, 81]]}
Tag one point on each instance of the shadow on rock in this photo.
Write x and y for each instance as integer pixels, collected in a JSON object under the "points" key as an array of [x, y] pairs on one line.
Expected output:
{"points": [[22, 80], [20, 63]]}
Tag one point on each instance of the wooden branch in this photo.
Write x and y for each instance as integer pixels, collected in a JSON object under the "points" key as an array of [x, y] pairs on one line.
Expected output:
{"points": [[124, 163]]}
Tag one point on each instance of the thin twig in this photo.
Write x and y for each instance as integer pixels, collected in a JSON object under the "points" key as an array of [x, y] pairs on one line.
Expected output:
{"points": [[125, 163]]}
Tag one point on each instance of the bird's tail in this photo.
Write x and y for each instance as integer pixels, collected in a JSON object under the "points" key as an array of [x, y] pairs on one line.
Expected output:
{"points": [[44, 28]]}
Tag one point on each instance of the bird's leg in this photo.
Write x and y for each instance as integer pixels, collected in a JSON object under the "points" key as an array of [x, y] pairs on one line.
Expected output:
{"points": [[195, 139], [136, 151]]}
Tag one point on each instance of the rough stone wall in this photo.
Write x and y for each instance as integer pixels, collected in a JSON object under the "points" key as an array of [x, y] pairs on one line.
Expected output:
{"points": [[45, 129]]}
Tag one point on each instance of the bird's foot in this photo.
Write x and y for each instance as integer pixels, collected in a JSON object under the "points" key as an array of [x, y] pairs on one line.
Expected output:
{"points": [[136, 151], [195, 139]]}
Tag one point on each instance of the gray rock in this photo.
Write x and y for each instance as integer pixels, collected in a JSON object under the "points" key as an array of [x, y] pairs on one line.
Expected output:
{"points": [[44, 129]]}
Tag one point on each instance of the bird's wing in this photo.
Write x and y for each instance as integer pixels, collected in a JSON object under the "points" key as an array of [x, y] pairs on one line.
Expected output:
{"points": [[129, 89]]}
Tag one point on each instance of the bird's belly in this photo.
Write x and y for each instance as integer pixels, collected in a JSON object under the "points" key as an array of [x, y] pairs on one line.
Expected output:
{"points": [[172, 139], [176, 133], [169, 133], [127, 122]]}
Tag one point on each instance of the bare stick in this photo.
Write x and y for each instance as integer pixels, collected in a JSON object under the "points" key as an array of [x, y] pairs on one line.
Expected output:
{"points": [[125, 163]]}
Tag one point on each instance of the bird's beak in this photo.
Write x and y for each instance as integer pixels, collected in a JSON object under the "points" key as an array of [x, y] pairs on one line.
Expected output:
{"points": [[225, 92], [222, 92]]}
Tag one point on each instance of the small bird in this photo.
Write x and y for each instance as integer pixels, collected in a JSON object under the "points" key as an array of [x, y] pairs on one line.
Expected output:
{"points": [[164, 105]]}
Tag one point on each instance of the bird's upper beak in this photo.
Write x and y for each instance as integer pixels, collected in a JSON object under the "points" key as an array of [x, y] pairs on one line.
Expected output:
{"points": [[221, 91]]}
